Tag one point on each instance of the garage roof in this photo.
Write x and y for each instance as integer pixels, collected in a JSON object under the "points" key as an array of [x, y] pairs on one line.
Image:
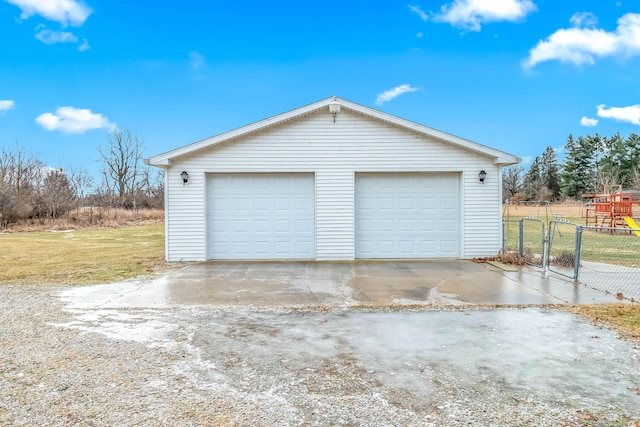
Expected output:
{"points": [[499, 157]]}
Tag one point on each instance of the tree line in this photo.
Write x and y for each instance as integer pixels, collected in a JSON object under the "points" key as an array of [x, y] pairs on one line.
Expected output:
{"points": [[32, 191], [592, 164]]}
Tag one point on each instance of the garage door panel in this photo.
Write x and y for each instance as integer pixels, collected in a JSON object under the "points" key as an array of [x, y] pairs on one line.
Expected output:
{"points": [[427, 203], [407, 215], [304, 225], [261, 216], [449, 203], [448, 225], [427, 225], [407, 224]]}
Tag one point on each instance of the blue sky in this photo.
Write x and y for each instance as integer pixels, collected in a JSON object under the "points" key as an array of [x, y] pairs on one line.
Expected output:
{"points": [[516, 75]]}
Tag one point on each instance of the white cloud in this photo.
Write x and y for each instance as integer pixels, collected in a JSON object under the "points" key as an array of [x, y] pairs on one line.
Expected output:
{"points": [[583, 19], [197, 60], [580, 45], [419, 35], [395, 92], [66, 12], [588, 122], [471, 14], [6, 105], [629, 114], [51, 37], [421, 13], [73, 120], [84, 45]]}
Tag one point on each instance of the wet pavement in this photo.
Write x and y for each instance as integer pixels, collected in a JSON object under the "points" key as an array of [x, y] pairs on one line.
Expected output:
{"points": [[392, 343], [304, 284]]}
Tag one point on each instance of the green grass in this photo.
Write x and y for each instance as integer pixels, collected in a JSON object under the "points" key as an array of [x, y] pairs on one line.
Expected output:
{"points": [[81, 257], [597, 246]]}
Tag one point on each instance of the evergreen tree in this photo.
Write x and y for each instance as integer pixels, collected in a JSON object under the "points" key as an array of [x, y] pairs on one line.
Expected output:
{"points": [[579, 172], [550, 172], [533, 180], [620, 158]]}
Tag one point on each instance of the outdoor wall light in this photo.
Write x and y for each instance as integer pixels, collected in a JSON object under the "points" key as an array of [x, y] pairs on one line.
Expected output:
{"points": [[185, 177], [482, 175], [334, 108]]}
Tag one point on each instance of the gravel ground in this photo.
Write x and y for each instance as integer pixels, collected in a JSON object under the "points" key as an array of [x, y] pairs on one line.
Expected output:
{"points": [[126, 367]]}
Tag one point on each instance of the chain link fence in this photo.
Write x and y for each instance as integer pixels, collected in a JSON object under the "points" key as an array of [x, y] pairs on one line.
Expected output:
{"points": [[610, 260], [603, 258]]}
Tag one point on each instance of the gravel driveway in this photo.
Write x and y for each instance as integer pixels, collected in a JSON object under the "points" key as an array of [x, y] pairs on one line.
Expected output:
{"points": [[181, 366]]}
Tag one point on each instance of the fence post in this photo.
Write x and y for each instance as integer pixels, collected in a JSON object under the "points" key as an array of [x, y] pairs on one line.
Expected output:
{"points": [[546, 239], [521, 238], [576, 261]]}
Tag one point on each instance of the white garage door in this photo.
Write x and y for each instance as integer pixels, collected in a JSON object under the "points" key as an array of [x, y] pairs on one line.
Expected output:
{"points": [[407, 215], [261, 216]]}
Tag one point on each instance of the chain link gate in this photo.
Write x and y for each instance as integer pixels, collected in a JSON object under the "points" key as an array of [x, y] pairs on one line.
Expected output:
{"points": [[564, 248], [555, 247], [532, 241], [511, 235]]}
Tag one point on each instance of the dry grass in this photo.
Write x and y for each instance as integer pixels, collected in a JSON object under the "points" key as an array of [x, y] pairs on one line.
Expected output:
{"points": [[81, 257], [624, 318], [506, 258], [88, 218], [541, 211]]}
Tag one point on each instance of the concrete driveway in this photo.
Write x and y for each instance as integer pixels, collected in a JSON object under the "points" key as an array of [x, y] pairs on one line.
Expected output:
{"points": [[313, 284]]}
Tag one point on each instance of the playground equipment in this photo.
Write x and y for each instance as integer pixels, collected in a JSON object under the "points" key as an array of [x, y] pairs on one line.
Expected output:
{"points": [[631, 223], [611, 210]]}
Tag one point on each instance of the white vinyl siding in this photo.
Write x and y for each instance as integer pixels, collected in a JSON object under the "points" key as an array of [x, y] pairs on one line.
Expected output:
{"points": [[334, 152]]}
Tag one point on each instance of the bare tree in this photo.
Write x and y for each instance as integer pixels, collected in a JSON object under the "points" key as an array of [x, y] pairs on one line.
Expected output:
{"points": [[55, 195], [19, 173], [81, 183], [122, 164], [512, 177]]}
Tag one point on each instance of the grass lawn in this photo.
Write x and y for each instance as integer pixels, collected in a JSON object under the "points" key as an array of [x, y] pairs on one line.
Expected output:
{"points": [[81, 257], [623, 317]]}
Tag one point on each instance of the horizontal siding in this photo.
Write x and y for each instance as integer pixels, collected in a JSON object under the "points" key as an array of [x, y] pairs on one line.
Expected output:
{"points": [[334, 152], [334, 215], [482, 219], [185, 217]]}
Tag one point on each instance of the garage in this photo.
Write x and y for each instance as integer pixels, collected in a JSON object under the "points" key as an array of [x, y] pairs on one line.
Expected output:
{"points": [[260, 216], [407, 215], [332, 181]]}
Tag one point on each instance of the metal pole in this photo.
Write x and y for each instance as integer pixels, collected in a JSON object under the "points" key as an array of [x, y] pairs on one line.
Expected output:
{"points": [[545, 245], [521, 237], [576, 261]]}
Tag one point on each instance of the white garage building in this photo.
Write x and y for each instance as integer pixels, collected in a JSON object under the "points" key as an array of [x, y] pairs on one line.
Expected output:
{"points": [[332, 180]]}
